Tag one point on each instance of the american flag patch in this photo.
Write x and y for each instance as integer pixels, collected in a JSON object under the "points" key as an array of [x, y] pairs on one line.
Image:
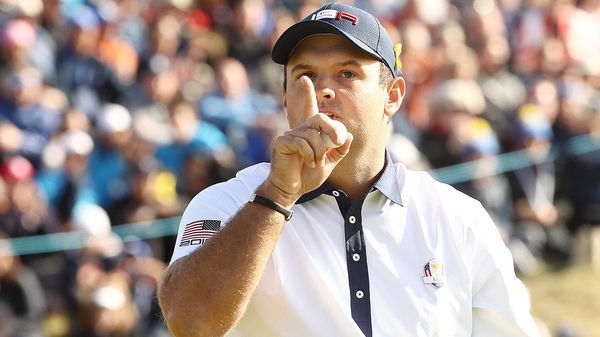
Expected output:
{"points": [[198, 232]]}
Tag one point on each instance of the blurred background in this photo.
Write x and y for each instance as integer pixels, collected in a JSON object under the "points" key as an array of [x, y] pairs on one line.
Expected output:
{"points": [[115, 113]]}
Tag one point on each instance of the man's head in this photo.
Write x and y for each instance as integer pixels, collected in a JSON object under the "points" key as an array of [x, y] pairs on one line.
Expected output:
{"points": [[351, 61]]}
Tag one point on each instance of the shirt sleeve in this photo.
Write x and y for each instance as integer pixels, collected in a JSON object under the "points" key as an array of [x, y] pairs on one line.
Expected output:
{"points": [[200, 221], [211, 209], [501, 302]]}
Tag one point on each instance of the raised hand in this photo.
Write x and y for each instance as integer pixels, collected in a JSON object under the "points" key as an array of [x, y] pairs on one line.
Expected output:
{"points": [[301, 158]]}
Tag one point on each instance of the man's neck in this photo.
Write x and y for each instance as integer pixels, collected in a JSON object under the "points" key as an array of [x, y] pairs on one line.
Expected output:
{"points": [[356, 174]]}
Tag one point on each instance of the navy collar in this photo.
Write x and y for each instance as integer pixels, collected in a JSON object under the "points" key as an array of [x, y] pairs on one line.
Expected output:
{"points": [[387, 184]]}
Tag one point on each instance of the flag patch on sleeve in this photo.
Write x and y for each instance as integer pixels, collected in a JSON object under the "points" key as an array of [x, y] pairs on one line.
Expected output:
{"points": [[198, 232]]}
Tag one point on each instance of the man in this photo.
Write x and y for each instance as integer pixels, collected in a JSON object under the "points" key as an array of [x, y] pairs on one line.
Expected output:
{"points": [[371, 249]]}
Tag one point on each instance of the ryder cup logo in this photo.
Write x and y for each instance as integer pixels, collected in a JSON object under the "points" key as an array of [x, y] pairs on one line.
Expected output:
{"points": [[325, 14], [434, 273], [333, 14]]}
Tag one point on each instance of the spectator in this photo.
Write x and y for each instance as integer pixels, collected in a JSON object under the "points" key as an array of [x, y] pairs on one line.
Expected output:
{"points": [[242, 113], [544, 94], [21, 291], [63, 185], [193, 68], [159, 89], [143, 270], [152, 195], [479, 144], [504, 91], [201, 170], [421, 64], [581, 173], [190, 135], [131, 25], [17, 39], [249, 32], [453, 103], [27, 42], [537, 221], [33, 108], [22, 211], [81, 74], [44, 49], [107, 308], [108, 166], [113, 51], [528, 37]]}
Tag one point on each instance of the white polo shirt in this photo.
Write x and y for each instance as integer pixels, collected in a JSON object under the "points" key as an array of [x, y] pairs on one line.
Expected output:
{"points": [[414, 258]]}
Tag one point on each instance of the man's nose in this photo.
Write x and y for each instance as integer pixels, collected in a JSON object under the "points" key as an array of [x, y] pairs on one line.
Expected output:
{"points": [[324, 90]]}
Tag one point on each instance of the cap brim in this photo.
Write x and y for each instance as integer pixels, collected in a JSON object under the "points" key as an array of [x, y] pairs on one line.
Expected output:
{"points": [[288, 41]]}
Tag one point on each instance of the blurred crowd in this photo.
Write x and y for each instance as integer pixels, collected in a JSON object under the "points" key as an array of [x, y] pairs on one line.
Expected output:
{"points": [[120, 111]]}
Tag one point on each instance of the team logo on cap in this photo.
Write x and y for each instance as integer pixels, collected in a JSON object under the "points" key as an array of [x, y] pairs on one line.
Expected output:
{"points": [[434, 273], [333, 14]]}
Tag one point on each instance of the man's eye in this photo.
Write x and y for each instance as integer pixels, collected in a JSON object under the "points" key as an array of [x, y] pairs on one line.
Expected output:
{"points": [[348, 74]]}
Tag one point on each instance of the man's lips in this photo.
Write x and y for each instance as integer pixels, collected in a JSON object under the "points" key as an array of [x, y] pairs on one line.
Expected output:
{"points": [[329, 113]]}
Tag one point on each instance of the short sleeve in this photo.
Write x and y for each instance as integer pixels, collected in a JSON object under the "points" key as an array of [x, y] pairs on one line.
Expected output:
{"points": [[209, 211]]}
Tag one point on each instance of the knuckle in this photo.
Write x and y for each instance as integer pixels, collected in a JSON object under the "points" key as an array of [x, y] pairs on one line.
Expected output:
{"points": [[312, 133], [321, 117], [300, 142], [282, 139]]}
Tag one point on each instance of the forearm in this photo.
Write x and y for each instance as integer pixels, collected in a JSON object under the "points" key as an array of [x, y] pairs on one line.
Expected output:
{"points": [[206, 292]]}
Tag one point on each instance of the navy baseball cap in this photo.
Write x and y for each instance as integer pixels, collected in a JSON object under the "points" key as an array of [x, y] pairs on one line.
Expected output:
{"points": [[357, 25]]}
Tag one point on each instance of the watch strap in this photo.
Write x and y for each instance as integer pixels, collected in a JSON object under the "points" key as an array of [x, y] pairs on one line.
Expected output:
{"points": [[272, 205]]}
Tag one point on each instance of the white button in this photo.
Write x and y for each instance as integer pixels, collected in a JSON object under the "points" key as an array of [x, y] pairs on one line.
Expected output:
{"points": [[355, 257], [336, 193], [360, 294], [352, 219]]}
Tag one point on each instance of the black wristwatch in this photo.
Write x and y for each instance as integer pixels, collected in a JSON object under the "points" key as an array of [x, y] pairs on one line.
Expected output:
{"points": [[272, 205]]}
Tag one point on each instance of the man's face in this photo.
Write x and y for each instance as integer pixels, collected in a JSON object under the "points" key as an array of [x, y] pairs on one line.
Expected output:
{"points": [[346, 82]]}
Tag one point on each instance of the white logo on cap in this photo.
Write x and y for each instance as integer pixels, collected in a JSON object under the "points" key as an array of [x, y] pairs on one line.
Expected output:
{"points": [[325, 14]]}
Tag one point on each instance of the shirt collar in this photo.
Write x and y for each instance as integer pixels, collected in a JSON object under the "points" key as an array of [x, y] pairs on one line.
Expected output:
{"points": [[387, 184]]}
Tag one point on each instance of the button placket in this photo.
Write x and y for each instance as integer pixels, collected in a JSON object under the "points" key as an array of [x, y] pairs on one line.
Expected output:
{"points": [[356, 259]]}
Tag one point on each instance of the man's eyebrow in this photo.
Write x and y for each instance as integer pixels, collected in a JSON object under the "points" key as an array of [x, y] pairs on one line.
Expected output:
{"points": [[299, 66], [302, 66], [349, 63]]}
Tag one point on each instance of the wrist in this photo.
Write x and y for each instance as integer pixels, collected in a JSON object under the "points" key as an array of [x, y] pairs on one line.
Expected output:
{"points": [[287, 213], [271, 191]]}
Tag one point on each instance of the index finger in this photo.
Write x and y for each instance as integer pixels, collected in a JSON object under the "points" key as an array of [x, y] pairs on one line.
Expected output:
{"points": [[311, 106]]}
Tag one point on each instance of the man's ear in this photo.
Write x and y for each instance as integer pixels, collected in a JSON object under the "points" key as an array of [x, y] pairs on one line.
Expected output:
{"points": [[395, 94]]}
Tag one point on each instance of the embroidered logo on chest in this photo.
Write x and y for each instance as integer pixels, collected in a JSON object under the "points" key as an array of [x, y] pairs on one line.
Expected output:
{"points": [[434, 273]]}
